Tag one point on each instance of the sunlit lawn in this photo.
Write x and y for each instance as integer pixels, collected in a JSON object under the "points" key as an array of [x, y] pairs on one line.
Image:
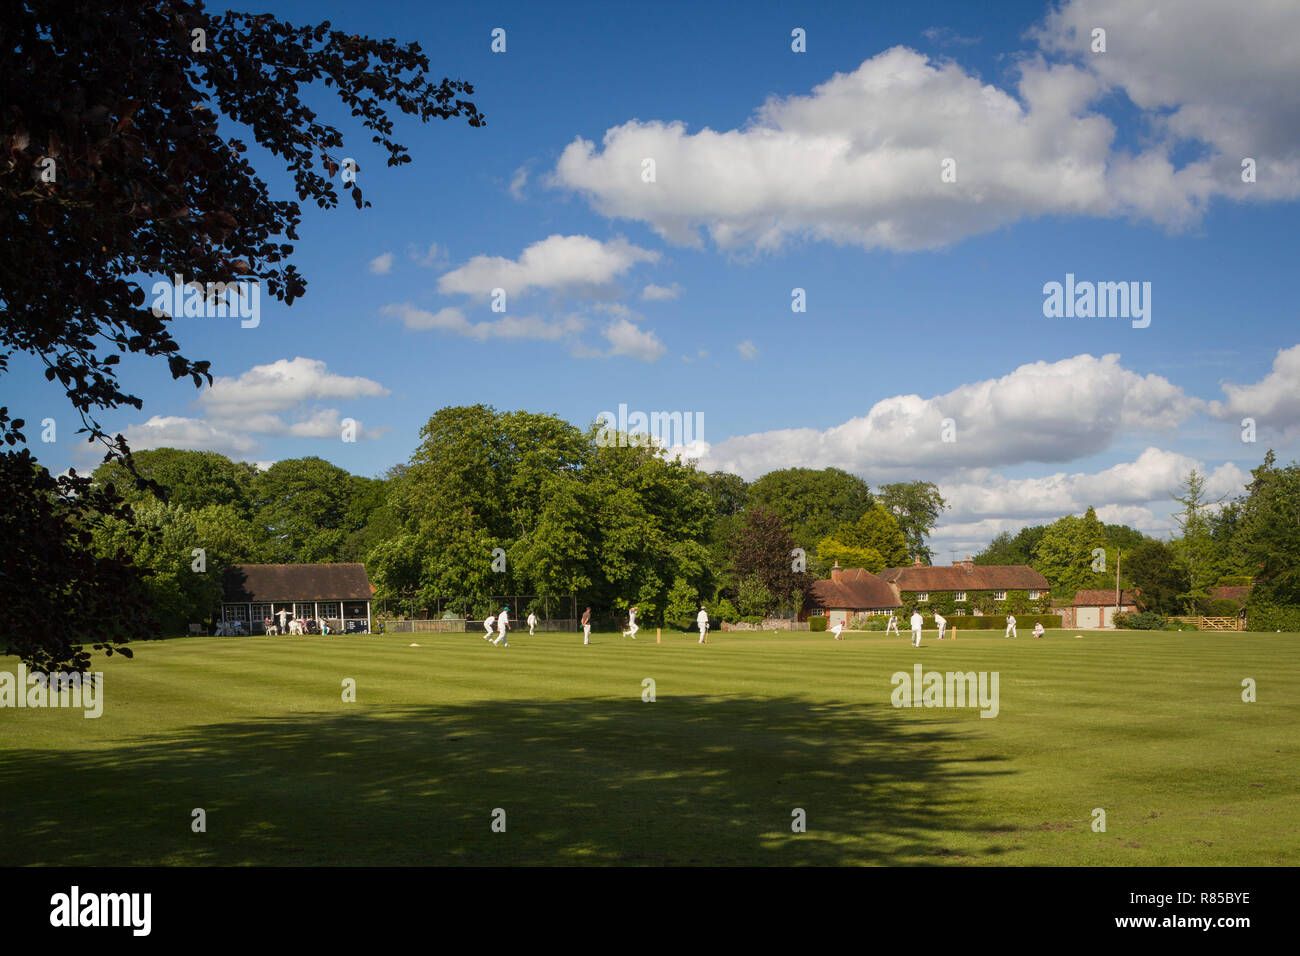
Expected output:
{"points": [[1148, 726]]}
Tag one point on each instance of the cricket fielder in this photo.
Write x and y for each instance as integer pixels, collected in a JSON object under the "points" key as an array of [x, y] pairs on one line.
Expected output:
{"points": [[892, 625], [532, 623], [917, 623], [1011, 627], [503, 622], [702, 621], [941, 622], [839, 626], [586, 626], [632, 627], [487, 626]]}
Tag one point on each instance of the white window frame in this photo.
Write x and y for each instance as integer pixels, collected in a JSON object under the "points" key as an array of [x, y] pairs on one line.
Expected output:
{"points": [[922, 596], [960, 598], [999, 595], [1035, 595]]}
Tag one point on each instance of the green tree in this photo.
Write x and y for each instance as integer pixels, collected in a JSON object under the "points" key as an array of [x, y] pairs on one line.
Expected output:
{"points": [[1270, 544], [1153, 569], [916, 506], [1195, 546], [753, 597], [1009, 549], [192, 479], [1072, 555], [300, 507], [812, 503]]}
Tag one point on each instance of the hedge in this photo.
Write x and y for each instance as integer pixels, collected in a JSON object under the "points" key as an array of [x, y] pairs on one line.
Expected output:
{"points": [[817, 622], [1146, 621], [1272, 617]]}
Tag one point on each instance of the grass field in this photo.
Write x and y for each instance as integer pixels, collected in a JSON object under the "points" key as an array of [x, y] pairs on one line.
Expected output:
{"points": [[1149, 726]]}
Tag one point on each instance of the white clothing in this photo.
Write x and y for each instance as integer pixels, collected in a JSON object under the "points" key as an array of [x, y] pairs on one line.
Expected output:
{"points": [[586, 633], [942, 622], [836, 630], [532, 622], [1011, 627], [917, 624]]}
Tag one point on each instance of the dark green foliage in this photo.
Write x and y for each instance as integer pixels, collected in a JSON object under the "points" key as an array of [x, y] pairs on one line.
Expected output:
{"points": [[1145, 621], [817, 622]]}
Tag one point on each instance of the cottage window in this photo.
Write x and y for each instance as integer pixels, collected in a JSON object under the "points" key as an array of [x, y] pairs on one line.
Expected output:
{"points": [[960, 597], [999, 595], [1035, 595], [923, 596]]}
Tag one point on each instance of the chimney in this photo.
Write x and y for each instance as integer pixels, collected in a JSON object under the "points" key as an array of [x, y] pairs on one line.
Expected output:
{"points": [[837, 572], [916, 563]]}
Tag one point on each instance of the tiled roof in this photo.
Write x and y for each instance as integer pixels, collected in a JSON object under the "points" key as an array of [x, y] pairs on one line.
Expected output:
{"points": [[985, 577], [262, 583], [1238, 594], [1104, 598], [856, 590]]}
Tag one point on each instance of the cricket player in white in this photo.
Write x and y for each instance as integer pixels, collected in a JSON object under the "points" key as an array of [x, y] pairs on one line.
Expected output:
{"points": [[917, 623], [632, 627], [839, 626], [1038, 629], [487, 626], [941, 622], [532, 623], [1011, 627], [702, 621], [892, 625], [503, 621]]}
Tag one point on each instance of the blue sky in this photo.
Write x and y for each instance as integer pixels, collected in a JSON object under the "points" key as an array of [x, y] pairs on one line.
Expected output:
{"points": [[778, 170]]}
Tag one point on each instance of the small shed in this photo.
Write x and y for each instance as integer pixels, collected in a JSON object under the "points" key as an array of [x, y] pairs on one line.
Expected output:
{"points": [[1097, 608], [339, 594]]}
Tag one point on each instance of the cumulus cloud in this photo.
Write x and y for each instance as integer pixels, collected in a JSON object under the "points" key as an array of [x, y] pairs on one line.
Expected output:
{"points": [[279, 386], [555, 263], [279, 400], [1201, 71], [1041, 412], [748, 350], [627, 338], [382, 265], [858, 160], [1273, 402], [1153, 476], [171, 431]]}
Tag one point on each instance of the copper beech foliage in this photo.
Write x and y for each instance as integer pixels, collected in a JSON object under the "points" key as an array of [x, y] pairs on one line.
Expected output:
{"points": [[126, 101]]}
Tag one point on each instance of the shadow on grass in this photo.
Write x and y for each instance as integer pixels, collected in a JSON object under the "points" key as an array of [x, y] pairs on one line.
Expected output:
{"points": [[685, 780]]}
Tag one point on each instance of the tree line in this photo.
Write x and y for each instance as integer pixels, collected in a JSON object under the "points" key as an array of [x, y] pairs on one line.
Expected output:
{"points": [[1252, 539], [495, 503]]}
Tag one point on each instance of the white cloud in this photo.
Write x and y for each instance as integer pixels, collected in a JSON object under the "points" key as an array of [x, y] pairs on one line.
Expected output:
{"points": [[280, 386], [657, 293], [508, 327], [1152, 477], [748, 350], [627, 338], [1200, 70], [1041, 412], [382, 265], [1273, 402], [857, 161], [556, 262], [171, 431]]}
